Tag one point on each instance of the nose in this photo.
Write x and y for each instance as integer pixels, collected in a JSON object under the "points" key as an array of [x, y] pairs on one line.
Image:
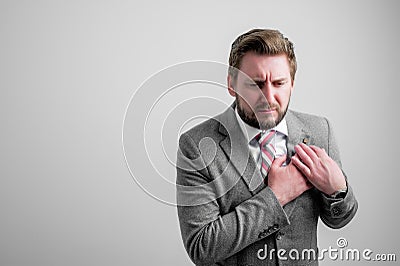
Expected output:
{"points": [[267, 92]]}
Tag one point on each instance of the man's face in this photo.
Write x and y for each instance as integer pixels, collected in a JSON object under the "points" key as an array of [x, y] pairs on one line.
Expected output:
{"points": [[262, 89]]}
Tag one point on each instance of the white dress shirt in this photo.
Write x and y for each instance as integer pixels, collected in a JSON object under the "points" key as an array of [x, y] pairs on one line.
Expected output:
{"points": [[279, 140]]}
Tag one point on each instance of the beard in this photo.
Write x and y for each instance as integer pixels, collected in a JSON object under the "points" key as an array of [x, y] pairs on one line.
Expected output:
{"points": [[250, 118]]}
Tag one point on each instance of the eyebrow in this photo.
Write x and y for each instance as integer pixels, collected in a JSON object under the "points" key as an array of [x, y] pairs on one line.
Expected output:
{"points": [[280, 79], [262, 80]]}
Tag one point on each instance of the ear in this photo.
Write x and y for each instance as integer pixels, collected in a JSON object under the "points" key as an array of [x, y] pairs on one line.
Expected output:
{"points": [[231, 90], [292, 88]]}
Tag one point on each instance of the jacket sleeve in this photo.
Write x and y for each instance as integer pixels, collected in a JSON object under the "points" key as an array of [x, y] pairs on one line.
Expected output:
{"points": [[336, 213], [208, 235]]}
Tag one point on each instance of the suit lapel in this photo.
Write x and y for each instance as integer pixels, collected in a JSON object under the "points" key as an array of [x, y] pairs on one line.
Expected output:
{"points": [[236, 148], [297, 133]]}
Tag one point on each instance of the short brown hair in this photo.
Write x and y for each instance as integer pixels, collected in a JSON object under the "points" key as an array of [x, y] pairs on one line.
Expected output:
{"points": [[263, 42]]}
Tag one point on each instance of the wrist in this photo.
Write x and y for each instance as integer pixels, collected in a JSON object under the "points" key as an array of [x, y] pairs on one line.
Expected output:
{"points": [[340, 193]]}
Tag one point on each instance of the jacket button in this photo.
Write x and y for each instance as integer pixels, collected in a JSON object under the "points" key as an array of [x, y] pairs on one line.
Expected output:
{"points": [[336, 211], [262, 235], [279, 235]]}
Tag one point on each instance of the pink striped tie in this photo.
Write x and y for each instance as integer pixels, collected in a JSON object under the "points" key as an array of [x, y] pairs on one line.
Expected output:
{"points": [[267, 150]]}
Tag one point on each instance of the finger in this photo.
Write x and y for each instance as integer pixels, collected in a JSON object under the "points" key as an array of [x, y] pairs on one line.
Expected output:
{"points": [[301, 166], [303, 156], [310, 152], [318, 151]]}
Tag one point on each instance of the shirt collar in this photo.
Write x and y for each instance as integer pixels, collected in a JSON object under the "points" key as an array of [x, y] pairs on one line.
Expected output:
{"points": [[250, 132]]}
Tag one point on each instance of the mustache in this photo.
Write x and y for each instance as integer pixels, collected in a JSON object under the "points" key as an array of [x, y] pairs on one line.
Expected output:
{"points": [[264, 105]]}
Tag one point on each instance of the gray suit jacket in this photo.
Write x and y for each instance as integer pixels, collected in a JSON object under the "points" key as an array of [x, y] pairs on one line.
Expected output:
{"points": [[228, 216]]}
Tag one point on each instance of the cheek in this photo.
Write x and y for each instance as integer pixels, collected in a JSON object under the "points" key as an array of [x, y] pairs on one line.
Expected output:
{"points": [[245, 102], [250, 96], [283, 96]]}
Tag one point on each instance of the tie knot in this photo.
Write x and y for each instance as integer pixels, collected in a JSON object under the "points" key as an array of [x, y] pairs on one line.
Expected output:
{"points": [[265, 138]]}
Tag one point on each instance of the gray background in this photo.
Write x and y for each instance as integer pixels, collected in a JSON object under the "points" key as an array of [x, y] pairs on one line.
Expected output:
{"points": [[69, 68]]}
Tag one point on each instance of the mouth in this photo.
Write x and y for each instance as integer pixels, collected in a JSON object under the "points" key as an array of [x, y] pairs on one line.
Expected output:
{"points": [[266, 111]]}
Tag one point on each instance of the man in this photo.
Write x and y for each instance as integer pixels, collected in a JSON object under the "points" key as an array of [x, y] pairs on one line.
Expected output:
{"points": [[252, 181]]}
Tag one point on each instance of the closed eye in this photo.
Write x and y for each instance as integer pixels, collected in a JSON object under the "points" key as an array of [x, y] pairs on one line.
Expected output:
{"points": [[279, 83], [255, 84]]}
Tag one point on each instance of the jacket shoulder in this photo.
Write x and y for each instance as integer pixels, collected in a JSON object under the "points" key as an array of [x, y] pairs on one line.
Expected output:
{"points": [[305, 116], [309, 120], [207, 128]]}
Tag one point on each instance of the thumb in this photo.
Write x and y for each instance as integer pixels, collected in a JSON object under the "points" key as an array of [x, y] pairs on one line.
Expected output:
{"points": [[279, 161]]}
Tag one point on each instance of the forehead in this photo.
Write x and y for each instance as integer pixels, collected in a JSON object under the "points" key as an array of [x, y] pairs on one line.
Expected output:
{"points": [[263, 66]]}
